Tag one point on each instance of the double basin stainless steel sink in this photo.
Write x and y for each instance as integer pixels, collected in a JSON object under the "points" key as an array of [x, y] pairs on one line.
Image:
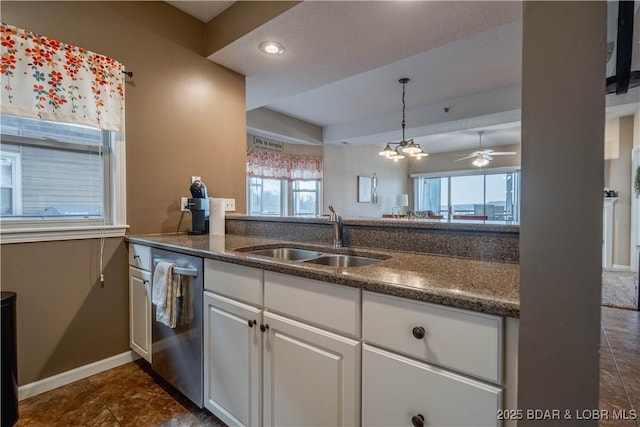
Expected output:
{"points": [[315, 257]]}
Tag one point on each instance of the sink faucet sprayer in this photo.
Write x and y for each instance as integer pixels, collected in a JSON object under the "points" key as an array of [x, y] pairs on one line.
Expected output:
{"points": [[337, 227]]}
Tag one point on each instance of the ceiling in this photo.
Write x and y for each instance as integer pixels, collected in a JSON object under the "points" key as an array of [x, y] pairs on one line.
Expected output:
{"points": [[203, 10], [343, 60]]}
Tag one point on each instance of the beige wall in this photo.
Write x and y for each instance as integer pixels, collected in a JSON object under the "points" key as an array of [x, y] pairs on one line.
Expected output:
{"points": [[343, 165], [65, 318], [270, 123], [444, 162], [618, 177], [184, 116]]}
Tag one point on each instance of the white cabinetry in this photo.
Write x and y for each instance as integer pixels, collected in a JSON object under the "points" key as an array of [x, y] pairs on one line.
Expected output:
{"points": [[232, 362], [140, 300], [278, 358], [399, 391], [407, 345], [311, 376]]}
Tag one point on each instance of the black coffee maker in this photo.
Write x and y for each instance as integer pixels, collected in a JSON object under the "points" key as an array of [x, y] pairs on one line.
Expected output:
{"points": [[199, 207]]}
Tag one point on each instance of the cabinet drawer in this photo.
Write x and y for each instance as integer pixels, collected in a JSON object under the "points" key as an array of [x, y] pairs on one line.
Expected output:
{"points": [[396, 389], [140, 256], [325, 304], [234, 281], [462, 340]]}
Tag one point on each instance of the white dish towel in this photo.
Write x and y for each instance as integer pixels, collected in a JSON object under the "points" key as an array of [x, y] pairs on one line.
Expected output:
{"points": [[163, 294]]}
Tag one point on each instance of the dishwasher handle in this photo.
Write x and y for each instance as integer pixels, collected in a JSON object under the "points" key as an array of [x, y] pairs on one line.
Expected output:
{"points": [[181, 270]]}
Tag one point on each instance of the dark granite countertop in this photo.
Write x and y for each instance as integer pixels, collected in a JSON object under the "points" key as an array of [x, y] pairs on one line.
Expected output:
{"points": [[484, 286]]}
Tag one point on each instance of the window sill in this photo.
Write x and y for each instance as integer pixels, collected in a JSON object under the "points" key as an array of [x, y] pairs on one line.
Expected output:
{"points": [[47, 234]]}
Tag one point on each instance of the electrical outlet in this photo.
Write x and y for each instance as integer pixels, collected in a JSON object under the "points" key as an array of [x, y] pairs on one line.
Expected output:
{"points": [[195, 178], [229, 205], [184, 205]]}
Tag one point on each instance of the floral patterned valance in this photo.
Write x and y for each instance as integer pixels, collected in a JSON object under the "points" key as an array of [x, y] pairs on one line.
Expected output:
{"points": [[262, 164], [47, 79]]}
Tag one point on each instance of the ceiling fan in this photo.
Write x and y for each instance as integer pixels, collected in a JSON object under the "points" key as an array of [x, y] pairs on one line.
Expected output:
{"points": [[483, 157]]}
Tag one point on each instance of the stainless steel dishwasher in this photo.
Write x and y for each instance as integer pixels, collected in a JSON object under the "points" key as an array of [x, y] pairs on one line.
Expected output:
{"points": [[177, 352]]}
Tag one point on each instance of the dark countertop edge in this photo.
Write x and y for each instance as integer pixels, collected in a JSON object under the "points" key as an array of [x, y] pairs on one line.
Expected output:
{"points": [[505, 308], [480, 226]]}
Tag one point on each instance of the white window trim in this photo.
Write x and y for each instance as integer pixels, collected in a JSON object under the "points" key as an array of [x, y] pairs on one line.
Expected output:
{"points": [[318, 192], [286, 197], [467, 172], [16, 171], [48, 232]]}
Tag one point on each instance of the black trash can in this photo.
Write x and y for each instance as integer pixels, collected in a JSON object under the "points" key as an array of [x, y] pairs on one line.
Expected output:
{"points": [[9, 361]]}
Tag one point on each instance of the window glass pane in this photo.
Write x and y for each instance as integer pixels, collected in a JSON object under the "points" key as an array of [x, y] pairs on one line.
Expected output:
{"points": [[52, 179], [467, 195], [6, 171], [265, 196], [271, 197], [305, 198], [255, 196], [435, 196], [60, 183], [498, 195], [305, 185], [6, 201], [41, 129]]}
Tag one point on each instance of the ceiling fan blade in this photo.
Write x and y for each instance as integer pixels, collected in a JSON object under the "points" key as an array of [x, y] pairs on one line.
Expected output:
{"points": [[487, 157], [468, 157], [503, 153]]}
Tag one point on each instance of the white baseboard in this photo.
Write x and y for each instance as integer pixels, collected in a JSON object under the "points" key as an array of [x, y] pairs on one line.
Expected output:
{"points": [[76, 374]]}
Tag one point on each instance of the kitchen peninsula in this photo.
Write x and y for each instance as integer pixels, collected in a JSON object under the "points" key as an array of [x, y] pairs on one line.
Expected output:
{"points": [[372, 339]]}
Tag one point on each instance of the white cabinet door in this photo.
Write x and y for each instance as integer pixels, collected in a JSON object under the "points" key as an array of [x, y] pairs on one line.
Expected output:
{"points": [[396, 389], [232, 362], [140, 312], [311, 376]]}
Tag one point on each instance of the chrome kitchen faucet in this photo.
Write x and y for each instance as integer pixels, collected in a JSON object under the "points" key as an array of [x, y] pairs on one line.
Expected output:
{"points": [[337, 227]]}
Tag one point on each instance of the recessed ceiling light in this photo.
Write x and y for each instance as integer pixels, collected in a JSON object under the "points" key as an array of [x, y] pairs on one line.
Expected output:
{"points": [[271, 48]]}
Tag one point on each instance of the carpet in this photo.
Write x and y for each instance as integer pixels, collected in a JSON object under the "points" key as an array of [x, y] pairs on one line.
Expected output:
{"points": [[620, 289]]}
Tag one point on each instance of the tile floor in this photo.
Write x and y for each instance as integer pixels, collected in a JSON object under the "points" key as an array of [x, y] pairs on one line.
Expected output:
{"points": [[131, 395], [620, 364]]}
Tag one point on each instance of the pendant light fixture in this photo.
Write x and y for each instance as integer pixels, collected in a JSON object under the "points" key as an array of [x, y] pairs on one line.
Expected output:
{"points": [[403, 147]]}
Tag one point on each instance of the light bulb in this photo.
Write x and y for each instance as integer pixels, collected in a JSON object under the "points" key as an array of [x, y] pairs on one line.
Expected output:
{"points": [[480, 162], [271, 48]]}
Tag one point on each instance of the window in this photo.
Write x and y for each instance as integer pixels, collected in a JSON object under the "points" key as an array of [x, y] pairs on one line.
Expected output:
{"points": [[266, 196], [58, 176], [279, 197], [492, 194], [10, 183], [305, 198]]}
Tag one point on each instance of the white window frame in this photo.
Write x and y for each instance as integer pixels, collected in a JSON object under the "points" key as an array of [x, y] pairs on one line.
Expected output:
{"points": [[283, 195], [466, 172], [292, 192], [286, 199], [114, 222], [16, 173]]}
